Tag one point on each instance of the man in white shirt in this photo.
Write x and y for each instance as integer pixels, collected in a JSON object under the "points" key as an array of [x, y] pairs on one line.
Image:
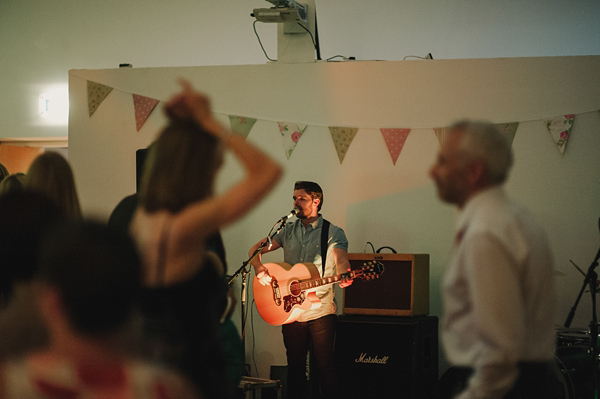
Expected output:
{"points": [[498, 291]]}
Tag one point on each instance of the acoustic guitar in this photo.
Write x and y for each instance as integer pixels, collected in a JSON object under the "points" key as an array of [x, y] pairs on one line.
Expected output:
{"points": [[284, 300]]}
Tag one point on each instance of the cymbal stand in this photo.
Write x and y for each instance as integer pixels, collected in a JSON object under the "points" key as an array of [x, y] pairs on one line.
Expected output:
{"points": [[590, 279]]}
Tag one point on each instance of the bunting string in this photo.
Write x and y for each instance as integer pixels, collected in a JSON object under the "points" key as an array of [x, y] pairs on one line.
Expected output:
{"points": [[559, 127]]}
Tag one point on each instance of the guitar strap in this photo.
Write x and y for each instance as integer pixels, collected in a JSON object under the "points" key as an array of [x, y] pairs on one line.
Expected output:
{"points": [[324, 237]]}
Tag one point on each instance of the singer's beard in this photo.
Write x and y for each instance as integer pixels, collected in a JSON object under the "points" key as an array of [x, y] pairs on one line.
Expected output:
{"points": [[300, 214]]}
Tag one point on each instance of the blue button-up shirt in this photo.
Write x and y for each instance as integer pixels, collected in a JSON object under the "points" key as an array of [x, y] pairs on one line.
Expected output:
{"points": [[303, 244]]}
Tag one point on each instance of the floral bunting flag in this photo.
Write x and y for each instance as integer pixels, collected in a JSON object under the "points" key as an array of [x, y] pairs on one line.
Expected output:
{"points": [[143, 107], [509, 129], [441, 133], [342, 138], [394, 139], [241, 124], [290, 135], [560, 128], [96, 93]]}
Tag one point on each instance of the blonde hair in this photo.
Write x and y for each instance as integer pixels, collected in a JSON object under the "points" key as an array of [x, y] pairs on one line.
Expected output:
{"points": [[180, 167], [50, 174]]}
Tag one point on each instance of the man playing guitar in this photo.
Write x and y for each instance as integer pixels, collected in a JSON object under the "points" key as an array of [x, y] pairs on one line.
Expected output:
{"points": [[314, 330]]}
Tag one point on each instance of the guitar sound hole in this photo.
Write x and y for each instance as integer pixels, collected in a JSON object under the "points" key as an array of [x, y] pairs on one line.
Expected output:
{"points": [[295, 288]]}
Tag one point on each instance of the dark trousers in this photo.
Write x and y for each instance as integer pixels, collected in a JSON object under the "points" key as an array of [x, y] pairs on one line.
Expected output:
{"points": [[535, 381], [317, 336]]}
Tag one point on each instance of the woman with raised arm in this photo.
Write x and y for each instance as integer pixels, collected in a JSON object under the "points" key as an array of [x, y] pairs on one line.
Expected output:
{"points": [[177, 212]]}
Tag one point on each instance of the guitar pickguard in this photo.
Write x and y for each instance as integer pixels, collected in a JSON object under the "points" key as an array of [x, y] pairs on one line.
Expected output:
{"points": [[290, 300], [276, 292]]}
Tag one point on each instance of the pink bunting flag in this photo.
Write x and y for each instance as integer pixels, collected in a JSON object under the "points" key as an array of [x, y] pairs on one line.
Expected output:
{"points": [[143, 107], [290, 135], [560, 129], [394, 139], [241, 124], [342, 138], [96, 93]]}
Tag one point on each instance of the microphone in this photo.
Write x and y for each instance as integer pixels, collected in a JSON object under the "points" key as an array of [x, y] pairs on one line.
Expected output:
{"points": [[289, 215]]}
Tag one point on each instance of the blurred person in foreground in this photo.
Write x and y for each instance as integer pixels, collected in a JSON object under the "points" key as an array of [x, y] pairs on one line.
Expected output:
{"points": [[177, 212], [498, 291], [12, 182], [3, 172], [86, 287], [25, 217], [51, 175]]}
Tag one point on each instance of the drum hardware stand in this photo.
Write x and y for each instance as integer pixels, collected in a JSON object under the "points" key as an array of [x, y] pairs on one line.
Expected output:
{"points": [[591, 277], [243, 271]]}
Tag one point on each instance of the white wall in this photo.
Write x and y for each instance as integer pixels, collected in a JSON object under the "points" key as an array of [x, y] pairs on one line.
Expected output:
{"points": [[41, 40], [367, 195]]}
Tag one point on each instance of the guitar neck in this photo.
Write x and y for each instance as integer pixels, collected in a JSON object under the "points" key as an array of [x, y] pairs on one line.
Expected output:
{"points": [[305, 285]]}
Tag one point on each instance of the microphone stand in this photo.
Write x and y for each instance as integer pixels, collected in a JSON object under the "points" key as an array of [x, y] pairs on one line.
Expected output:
{"points": [[590, 279], [243, 271]]}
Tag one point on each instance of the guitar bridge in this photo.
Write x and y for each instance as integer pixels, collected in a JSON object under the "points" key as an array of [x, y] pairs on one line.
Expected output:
{"points": [[290, 300], [276, 292]]}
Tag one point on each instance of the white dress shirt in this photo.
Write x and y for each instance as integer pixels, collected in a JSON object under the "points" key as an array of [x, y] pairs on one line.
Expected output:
{"points": [[499, 294]]}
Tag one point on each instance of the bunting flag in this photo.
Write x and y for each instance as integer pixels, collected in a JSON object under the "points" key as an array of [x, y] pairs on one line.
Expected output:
{"points": [[290, 135], [509, 129], [241, 124], [441, 133], [560, 128], [143, 108], [394, 139], [342, 138], [96, 93]]}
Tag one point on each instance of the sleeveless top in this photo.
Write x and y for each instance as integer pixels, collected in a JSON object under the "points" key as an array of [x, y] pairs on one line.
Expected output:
{"points": [[181, 324]]}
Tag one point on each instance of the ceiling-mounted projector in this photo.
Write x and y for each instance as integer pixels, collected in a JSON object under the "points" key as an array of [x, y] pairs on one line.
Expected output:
{"points": [[284, 11]]}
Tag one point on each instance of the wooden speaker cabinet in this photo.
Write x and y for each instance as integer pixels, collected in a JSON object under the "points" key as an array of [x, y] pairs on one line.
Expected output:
{"points": [[402, 289]]}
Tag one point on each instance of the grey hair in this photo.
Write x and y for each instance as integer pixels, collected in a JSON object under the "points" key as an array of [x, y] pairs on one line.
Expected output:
{"points": [[483, 141]]}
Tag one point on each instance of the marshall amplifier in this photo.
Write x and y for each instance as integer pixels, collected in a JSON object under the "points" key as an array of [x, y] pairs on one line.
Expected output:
{"points": [[387, 357], [401, 290]]}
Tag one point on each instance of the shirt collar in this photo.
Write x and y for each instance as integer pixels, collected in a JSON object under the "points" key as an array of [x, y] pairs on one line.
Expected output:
{"points": [[473, 203], [317, 222]]}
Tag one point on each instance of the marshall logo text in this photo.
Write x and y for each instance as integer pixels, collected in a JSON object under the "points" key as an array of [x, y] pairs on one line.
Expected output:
{"points": [[363, 358]]}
